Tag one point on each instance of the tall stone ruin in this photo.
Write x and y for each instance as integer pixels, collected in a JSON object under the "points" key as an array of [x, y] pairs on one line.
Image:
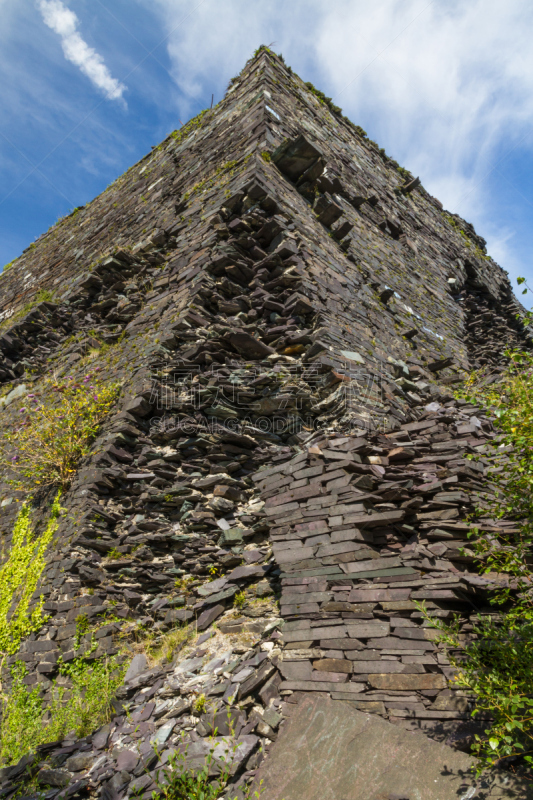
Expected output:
{"points": [[286, 471]]}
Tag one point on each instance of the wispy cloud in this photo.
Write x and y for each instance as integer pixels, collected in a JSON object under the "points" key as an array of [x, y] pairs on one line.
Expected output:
{"points": [[445, 87], [64, 22]]}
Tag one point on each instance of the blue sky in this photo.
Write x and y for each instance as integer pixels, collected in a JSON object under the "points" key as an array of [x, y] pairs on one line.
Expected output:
{"points": [[88, 86]]}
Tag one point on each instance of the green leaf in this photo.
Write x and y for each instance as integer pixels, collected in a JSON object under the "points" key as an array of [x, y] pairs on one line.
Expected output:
{"points": [[494, 743]]}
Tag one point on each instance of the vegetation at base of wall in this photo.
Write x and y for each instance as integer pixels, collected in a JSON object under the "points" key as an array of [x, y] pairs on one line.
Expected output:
{"points": [[56, 428], [19, 577], [495, 661], [26, 722]]}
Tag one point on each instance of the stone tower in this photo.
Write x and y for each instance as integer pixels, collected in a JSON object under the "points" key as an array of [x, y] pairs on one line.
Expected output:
{"points": [[286, 470]]}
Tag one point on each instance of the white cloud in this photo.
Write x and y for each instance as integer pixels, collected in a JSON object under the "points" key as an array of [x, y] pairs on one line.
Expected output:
{"points": [[446, 87], [64, 22], [452, 88]]}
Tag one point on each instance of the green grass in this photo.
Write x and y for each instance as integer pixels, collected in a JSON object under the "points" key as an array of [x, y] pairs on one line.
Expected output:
{"points": [[27, 723]]}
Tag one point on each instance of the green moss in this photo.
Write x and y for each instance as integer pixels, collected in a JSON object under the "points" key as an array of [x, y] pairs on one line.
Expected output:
{"points": [[207, 183], [406, 175], [8, 266], [42, 296], [466, 239], [327, 101], [192, 125]]}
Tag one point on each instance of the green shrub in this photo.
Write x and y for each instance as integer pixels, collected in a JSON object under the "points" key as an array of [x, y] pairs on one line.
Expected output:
{"points": [[510, 473], [82, 627], [496, 664], [57, 427], [26, 722], [239, 600], [497, 668], [19, 576], [43, 295], [200, 704]]}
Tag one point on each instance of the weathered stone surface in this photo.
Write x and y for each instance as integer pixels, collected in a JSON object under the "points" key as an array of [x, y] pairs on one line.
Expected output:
{"points": [[328, 750], [405, 682], [210, 615], [333, 665], [138, 664]]}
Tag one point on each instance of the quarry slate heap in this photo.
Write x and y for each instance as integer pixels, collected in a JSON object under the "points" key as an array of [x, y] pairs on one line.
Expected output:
{"points": [[286, 309]]}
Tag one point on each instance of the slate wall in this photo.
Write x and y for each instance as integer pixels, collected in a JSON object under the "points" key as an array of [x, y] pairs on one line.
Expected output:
{"points": [[269, 296]]}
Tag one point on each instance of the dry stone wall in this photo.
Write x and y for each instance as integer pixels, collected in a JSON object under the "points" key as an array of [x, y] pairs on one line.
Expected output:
{"points": [[286, 468]]}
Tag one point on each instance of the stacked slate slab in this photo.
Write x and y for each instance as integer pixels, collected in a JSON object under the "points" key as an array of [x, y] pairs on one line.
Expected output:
{"points": [[286, 469], [366, 532]]}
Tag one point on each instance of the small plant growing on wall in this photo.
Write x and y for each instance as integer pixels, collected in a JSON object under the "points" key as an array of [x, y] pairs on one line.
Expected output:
{"points": [[57, 426]]}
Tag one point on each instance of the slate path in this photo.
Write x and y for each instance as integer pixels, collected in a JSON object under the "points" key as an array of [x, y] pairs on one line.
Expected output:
{"points": [[330, 751]]}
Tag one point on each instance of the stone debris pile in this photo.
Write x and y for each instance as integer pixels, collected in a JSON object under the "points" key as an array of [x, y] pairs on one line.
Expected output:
{"points": [[221, 700]]}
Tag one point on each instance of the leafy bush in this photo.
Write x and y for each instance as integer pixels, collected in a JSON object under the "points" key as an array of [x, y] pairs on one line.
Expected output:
{"points": [[56, 429], [26, 722], [497, 668], [510, 473], [19, 576], [496, 664]]}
